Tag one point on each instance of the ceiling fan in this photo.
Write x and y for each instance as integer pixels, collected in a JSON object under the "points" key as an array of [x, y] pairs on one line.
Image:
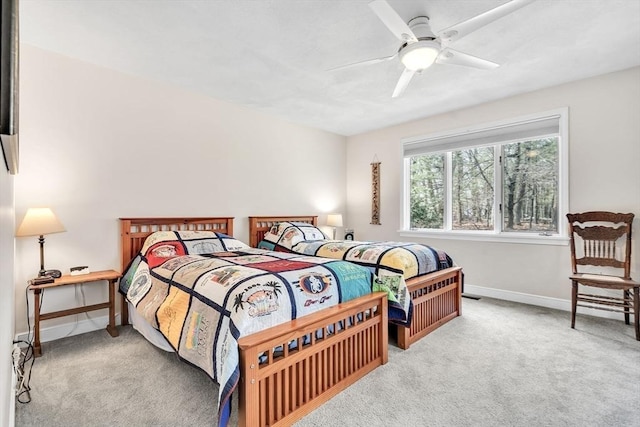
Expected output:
{"points": [[421, 47]]}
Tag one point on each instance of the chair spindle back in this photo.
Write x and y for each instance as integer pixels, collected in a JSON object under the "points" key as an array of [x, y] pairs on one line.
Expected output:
{"points": [[606, 240]]}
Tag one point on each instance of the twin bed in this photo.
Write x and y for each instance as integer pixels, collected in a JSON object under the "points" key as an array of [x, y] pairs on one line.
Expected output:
{"points": [[285, 369], [435, 292]]}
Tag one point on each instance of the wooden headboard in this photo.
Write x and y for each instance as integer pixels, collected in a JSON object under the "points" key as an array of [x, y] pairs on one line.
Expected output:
{"points": [[133, 231], [259, 225]]}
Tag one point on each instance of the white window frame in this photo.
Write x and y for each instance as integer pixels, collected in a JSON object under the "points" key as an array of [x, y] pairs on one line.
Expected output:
{"points": [[496, 235]]}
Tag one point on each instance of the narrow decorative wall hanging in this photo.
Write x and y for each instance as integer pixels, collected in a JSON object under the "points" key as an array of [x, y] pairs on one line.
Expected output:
{"points": [[375, 191]]}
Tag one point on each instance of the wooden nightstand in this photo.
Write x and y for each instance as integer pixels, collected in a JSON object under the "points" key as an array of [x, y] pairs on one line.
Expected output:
{"points": [[110, 276]]}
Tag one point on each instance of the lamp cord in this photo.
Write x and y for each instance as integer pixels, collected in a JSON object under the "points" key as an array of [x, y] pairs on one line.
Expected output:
{"points": [[24, 366]]}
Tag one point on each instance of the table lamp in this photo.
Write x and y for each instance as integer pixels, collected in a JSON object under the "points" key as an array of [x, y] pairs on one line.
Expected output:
{"points": [[334, 220], [38, 222]]}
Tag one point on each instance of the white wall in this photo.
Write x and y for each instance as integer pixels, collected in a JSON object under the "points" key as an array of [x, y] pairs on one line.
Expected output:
{"points": [[604, 156], [6, 293], [97, 145]]}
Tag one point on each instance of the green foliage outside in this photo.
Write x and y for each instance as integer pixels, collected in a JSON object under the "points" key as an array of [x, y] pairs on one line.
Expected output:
{"points": [[529, 188], [427, 191], [531, 185]]}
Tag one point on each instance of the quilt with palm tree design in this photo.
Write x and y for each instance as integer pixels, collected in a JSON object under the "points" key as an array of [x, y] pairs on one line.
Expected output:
{"points": [[204, 290]]}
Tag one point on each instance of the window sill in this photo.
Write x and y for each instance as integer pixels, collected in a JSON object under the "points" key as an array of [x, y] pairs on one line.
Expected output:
{"points": [[521, 238]]}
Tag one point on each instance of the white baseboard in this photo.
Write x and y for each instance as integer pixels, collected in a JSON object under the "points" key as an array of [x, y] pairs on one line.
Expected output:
{"points": [[541, 301], [95, 323], [69, 329]]}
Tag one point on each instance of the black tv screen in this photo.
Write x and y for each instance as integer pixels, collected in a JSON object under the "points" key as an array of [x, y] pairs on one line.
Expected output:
{"points": [[9, 61]]}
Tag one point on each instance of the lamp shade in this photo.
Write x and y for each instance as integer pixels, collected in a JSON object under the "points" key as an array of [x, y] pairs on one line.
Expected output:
{"points": [[334, 220], [39, 221]]}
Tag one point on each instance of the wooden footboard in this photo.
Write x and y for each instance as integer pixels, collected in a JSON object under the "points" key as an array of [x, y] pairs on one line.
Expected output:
{"points": [[283, 389], [437, 298]]}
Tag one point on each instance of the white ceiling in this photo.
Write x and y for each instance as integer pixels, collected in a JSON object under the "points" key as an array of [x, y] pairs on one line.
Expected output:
{"points": [[272, 55]]}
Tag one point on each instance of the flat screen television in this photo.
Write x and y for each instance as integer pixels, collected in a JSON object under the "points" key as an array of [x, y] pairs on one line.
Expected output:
{"points": [[9, 62]]}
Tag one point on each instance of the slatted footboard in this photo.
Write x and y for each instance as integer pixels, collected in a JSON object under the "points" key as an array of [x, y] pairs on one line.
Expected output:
{"points": [[292, 382], [436, 300]]}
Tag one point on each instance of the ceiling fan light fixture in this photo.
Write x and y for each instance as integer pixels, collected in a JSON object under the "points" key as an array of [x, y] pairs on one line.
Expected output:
{"points": [[419, 56]]}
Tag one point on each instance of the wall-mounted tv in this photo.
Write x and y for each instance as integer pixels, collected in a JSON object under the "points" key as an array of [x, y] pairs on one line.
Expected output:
{"points": [[9, 46]]}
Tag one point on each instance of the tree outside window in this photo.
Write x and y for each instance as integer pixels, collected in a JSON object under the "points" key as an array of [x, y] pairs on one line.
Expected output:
{"points": [[530, 182], [472, 190], [427, 191]]}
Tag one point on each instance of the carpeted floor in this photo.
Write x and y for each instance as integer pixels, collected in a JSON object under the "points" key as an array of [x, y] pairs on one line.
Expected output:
{"points": [[500, 364]]}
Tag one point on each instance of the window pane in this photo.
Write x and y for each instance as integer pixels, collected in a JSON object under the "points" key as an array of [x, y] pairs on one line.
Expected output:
{"points": [[472, 193], [427, 191], [531, 186]]}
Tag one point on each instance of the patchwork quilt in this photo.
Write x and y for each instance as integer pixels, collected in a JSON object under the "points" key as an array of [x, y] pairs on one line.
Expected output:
{"points": [[204, 290], [410, 259]]}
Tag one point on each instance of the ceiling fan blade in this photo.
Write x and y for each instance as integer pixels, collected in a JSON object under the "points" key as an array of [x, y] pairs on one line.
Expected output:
{"points": [[403, 82], [365, 62], [392, 20], [453, 57], [463, 28]]}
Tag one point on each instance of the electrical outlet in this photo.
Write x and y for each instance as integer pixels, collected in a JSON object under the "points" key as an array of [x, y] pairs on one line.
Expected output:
{"points": [[16, 352], [17, 355]]}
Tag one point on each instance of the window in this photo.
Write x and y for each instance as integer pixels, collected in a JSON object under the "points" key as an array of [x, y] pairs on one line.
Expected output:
{"points": [[506, 180]]}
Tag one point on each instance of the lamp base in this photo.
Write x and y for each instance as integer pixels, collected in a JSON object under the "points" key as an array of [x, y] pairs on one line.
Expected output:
{"points": [[42, 271]]}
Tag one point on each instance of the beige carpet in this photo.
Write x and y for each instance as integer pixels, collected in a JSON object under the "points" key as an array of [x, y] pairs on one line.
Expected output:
{"points": [[500, 364]]}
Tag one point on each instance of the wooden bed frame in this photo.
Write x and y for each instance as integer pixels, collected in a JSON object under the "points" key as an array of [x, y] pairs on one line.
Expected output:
{"points": [[283, 389], [437, 297]]}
